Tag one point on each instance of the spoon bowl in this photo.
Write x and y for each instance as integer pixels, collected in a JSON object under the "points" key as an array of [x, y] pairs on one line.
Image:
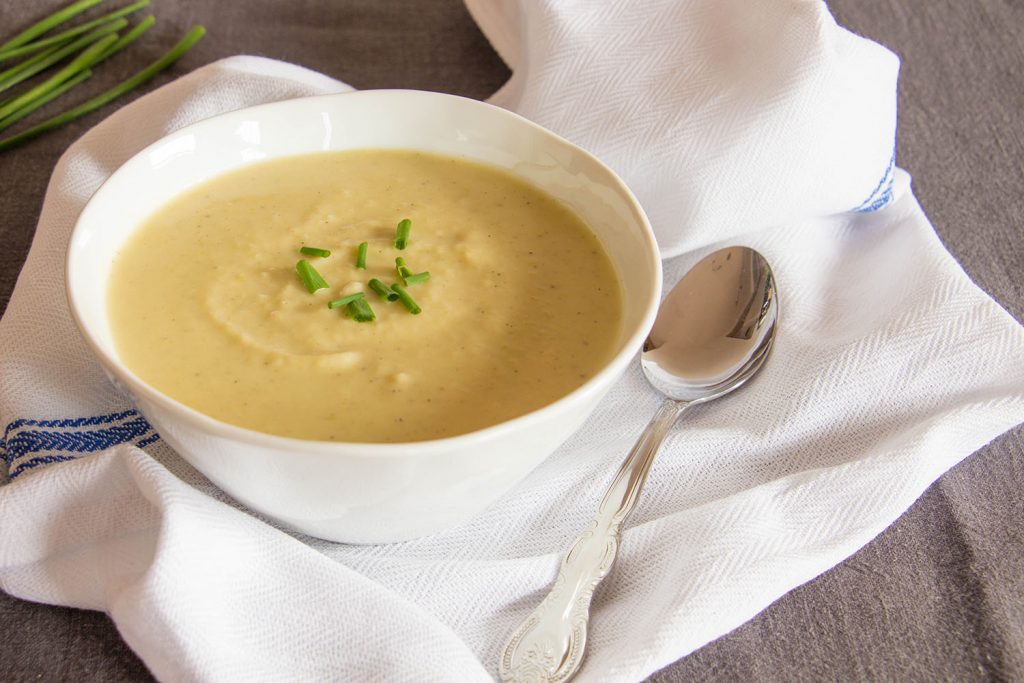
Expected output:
{"points": [[712, 334], [715, 328]]}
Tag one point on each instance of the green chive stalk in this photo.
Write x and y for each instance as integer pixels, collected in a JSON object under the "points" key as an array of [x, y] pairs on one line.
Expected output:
{"points": [[55, 19], [360, 311], [45, 99], [7, 76], [401, 267], [309, 275], [345, 300], [406, 300], [416, 278], [382, 290], [66, 36], [30, 67], [83, 61], [128, 38], [402, 233], [315, 251], [172, 55]]}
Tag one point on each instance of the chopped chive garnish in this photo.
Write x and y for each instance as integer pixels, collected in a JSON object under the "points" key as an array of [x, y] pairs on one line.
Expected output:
{"points": [[361, 311], [315, 251], [361, 255], [402, 233], [344, 301], [406, 300], [382, 289], [309, 276], [402, 268], [416, 278]]}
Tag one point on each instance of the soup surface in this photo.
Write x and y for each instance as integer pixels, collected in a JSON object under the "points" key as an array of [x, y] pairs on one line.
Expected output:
{"points": [[522, 305]]}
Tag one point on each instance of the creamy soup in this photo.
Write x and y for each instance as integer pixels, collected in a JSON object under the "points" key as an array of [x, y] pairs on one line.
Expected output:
{"points": [[522, 304]]}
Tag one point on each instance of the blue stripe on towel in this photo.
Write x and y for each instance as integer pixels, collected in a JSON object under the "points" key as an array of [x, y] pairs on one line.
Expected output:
{"points": [[67, 422], [29, 443], [152, 438], [882, 194]]}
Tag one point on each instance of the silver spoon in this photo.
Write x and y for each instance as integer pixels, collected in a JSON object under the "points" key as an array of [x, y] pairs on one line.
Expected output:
{"points": [[712, 334]]}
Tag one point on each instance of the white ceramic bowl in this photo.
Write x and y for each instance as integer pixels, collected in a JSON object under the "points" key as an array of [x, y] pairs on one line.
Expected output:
{"points": [[363, 493]]}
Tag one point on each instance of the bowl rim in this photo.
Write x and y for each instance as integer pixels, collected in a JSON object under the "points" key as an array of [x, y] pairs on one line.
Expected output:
{"points": [[609, 372]]}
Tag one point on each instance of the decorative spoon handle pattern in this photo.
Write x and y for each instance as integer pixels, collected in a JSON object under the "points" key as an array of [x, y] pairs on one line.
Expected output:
{"points": [[549, 645]]}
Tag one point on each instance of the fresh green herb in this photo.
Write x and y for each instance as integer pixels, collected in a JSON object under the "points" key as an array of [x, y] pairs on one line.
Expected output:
{"points": [[402, 268], [60, 38], [315, 251], [128, 38], [16, 74], [52, 95], [55, 19], [402, 233], [44, 60], [87, 58], [36, 47], [382, 289], [406, 300], [416, 278], [361, 255], [173, 55], [309, 276], [344, 301], [360, 311]]}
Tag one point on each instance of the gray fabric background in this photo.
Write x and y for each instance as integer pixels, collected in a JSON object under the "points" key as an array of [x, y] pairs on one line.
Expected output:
{"points": [[940, 594]]}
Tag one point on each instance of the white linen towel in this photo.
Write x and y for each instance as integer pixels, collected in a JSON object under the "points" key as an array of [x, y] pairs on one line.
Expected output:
{"points": [[752, 121]]}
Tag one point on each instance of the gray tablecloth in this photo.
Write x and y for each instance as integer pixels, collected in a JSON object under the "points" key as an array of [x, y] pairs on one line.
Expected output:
{"points": [[940, 594]]}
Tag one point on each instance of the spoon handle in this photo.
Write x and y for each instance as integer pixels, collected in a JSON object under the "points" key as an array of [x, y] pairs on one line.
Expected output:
{"points": [[548, 645]]}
